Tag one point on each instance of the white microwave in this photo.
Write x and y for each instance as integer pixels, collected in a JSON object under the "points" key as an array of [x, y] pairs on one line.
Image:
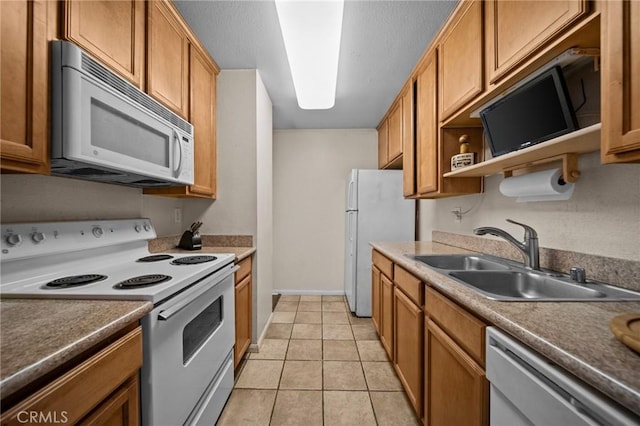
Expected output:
{"points": [[105, 129]]}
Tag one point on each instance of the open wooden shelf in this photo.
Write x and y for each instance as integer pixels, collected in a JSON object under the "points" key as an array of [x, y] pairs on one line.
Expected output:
{"points": [[579, 142]]}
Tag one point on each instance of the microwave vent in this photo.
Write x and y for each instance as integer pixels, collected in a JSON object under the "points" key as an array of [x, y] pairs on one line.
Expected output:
{"points": [[96, 70], [88, 171]]}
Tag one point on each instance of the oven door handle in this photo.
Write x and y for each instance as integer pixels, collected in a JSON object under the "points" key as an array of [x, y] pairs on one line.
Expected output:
{"points": [[193, 296]]}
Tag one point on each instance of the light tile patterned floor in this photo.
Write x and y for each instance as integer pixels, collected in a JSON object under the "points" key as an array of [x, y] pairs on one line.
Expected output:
{"points": [[318, 365]]}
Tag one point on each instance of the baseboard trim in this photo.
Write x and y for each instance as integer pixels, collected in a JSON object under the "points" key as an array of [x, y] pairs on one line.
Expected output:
{"points": [[310, 292], [255, 347]]}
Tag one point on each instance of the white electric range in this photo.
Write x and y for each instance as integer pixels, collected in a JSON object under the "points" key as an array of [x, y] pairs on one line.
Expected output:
{"points": [[188, 337]]}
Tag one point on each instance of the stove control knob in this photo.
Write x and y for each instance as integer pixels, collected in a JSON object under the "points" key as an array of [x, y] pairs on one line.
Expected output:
{"points": [[137, 228], [38, 237], [14, 239], [147, 227], [97, 232]]}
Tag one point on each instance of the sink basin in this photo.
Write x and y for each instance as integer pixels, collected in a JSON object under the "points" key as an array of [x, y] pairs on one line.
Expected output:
{"points": [[502, 279], [460, 262], [533, 286]]}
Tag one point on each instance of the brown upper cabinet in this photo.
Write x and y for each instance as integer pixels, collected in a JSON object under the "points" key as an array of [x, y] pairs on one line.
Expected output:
{"points": [[621, 64], [427, 127], [516, 29], [395, 128], [168, 57], [24, 99], [390, 141], [111, 31], [383, 144], [202, 114], [394, 147], [408, 138], [460, 58], [179, 73], [434, 145]]}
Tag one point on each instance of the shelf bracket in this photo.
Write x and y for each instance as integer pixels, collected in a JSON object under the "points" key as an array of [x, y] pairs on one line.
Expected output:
{"points": [[570, 171]]}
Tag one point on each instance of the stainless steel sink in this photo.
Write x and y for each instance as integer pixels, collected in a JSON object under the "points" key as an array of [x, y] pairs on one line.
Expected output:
{"points": [[460, 262], [505, 280]]}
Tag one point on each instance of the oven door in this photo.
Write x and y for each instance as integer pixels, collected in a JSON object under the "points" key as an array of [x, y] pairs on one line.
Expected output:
{"points": [[186, 340]]}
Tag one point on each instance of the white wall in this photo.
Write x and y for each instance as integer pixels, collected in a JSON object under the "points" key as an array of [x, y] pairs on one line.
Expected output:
{"points": [[310, 170], [36, 198], [602, 217], [244, 200], [234, 210]]}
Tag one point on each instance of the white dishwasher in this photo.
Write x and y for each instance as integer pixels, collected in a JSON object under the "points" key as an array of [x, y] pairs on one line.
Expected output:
{"points": [[526, 389]]}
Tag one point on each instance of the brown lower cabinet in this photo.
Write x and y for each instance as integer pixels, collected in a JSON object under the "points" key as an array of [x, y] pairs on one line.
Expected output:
{"points": [[455, 388], [375, 298], [407, 360], [102, 390], [386, 315], [436, 346], [243, 309]]}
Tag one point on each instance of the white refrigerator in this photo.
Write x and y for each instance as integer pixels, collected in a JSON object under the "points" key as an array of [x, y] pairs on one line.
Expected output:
{"points": [[375, 211]]}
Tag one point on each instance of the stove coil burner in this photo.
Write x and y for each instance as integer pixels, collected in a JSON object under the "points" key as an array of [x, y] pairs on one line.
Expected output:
{"points": [[142, 281], [155, 258], [74, 281], [193, 260]]}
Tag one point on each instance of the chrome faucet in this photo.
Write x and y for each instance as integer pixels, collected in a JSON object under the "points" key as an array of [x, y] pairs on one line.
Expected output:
{"points": [[529, 247]]}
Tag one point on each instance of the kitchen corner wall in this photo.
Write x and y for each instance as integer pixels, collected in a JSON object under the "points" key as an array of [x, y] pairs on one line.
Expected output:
{"points": [[310, 169], [36, 198], [244, 197], [602, 217]]}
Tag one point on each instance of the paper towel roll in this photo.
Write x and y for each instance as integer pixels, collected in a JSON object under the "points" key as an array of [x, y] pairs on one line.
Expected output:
{"points": [[546, 185]]}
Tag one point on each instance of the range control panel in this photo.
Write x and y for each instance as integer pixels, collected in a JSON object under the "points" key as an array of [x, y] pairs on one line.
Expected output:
{"points": [[21, 240]]}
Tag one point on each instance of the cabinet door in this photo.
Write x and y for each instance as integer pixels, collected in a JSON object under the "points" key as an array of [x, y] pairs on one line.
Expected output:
{"points": [[167, 58], [456, 389], [408, 143], [427, 128], [395, 133], [202, 114], [515, 29], [375, 298], [386, 315], [120, 409], [112, 31], [621, 68], [408, 336], [383, 144], [88, 385], [24, 130], [461, 73], [243, 318]]}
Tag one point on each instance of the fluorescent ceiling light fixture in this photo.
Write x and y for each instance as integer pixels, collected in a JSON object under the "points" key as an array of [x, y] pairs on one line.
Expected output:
{"points": [[311, 30]]}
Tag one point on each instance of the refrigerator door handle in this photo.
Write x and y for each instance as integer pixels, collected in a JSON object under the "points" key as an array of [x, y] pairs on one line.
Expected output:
{"points": [[349, 192]]}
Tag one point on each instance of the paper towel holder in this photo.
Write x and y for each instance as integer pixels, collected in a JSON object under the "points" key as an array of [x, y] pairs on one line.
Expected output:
{"points": [[570, 171]]}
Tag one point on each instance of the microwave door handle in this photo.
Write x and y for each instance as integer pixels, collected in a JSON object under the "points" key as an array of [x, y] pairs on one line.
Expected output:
{"points": [[178, 168]]}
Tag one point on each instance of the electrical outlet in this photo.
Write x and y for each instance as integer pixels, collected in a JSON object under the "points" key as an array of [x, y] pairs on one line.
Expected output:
{"points": [[177, 215], [457, 212]]}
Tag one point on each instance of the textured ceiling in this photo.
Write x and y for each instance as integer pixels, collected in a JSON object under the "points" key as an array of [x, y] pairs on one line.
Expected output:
{"points": [[381, 43]]}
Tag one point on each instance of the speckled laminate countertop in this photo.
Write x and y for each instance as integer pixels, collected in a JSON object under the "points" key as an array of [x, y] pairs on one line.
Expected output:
{"points": [[39, 335], [574, 335]]}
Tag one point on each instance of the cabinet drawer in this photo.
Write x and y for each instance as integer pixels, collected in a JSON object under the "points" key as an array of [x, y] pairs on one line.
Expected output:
{"points": [[382, 263], [411, 285], [464, 328], [245, 269], [80, 390]]}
